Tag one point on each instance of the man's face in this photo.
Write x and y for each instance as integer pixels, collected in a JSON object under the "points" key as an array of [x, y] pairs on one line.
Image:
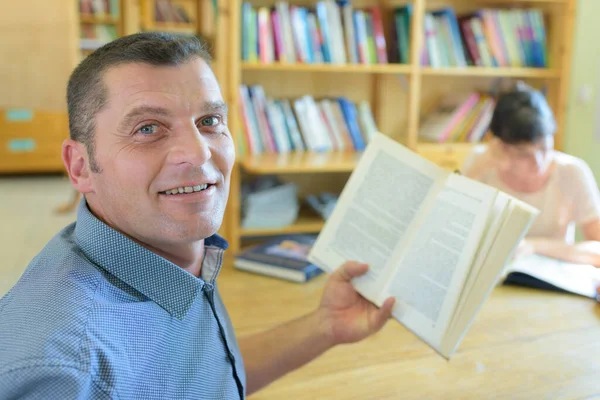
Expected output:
{"points": [[163, 131]]}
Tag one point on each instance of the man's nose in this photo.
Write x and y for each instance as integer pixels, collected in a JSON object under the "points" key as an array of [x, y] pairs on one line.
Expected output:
{"points": [[190, 146]]}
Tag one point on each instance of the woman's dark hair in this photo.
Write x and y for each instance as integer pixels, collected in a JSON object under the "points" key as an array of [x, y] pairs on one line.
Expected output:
{"points": [[522, 115]]}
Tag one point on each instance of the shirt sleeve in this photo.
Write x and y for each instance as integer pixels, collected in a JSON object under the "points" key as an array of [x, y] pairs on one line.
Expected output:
{"points": [[49, 382], [585, 193]]}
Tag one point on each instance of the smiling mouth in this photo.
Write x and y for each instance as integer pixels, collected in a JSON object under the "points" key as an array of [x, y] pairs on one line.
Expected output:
{"points": [[187, 189]]}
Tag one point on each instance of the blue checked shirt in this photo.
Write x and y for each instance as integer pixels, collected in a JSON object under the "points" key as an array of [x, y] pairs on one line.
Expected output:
{"points": [[96, 316]]}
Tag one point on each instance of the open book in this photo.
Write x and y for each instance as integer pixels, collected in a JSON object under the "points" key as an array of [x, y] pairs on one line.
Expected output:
{"points": [[434, 240], [550, 274]]}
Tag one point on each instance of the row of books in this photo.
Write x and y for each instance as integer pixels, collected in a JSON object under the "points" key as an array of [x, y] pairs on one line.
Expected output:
{"points": [[96, 35], [99, 8], [167, 11], [285, 125], [336, 33], [332, 33], [485, 38], [459, 117]]}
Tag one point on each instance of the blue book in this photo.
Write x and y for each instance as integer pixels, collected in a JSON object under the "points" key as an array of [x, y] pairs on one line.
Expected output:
{"points": [[351, 117], [325, 32], [283, 257]]}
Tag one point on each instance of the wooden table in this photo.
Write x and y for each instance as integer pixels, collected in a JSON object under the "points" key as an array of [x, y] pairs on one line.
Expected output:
{"points": [[524, 344]]}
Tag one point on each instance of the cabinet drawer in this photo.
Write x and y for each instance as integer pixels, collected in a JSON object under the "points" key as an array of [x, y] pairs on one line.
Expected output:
{"points": [[25, 154], [31, 123], [450, 156], [30, 140]]}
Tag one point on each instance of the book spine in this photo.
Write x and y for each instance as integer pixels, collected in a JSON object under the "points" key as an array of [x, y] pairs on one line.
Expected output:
{"points": [[470, 42], [379, 38]]}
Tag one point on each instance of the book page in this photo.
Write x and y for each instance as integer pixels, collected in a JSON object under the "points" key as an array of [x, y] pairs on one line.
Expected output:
{"points": [[513, 229], [497, 218], [430, 275], [377, 209], [581, 279]]}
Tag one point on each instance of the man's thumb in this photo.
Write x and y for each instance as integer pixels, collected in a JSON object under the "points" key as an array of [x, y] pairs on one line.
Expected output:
{"points": [[351, 269]]}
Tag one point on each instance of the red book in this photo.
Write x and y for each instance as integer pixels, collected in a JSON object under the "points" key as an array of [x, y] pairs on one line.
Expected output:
{"points": [[469, 40], [379, 37], [278, 36]]}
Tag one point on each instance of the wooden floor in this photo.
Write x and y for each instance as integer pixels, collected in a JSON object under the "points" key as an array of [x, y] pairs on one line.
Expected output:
{"points": [[525, 344]]}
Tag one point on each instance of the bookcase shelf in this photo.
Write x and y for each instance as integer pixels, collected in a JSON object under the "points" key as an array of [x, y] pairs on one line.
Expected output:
{"points": [[306, 222], [507, 72], [511, 72], [174, 27], [107, 19], [324, 67], [521, 2], [399, 106], [300, 162]]}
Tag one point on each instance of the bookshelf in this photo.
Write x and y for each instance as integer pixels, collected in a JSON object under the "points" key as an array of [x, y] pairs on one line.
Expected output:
{"points": [[174, 16], [100, 21], [400, 95]]}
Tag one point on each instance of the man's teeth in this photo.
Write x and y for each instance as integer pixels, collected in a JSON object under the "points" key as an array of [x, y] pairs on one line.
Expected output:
{"points": [[187, 189]]}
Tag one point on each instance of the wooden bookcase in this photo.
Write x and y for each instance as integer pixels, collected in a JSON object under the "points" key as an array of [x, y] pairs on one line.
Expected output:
{"points": [[399, 95], [175, 16], [100, 22], [158, 16]]}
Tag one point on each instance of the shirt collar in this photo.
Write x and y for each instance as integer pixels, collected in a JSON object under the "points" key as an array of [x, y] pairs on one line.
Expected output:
{"points": [[163, 282]]}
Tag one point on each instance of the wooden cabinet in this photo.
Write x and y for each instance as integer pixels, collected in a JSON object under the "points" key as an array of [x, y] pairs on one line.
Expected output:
{"points": [[39, 50], [31, 141]]}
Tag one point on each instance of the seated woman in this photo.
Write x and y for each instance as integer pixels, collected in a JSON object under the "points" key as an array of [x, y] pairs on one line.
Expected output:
{"points": [[521, 161]]}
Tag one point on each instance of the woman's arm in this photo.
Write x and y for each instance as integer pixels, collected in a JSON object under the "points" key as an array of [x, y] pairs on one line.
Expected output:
{"points": [[586, 252]]}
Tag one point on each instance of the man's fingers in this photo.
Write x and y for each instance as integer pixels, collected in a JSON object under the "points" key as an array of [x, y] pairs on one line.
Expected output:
{"points": [[385, 312], [387, 307], [351, 269]]}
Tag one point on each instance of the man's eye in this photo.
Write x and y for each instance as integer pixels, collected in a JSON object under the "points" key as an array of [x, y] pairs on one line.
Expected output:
{"points": [[148, 129], [209, 121]]}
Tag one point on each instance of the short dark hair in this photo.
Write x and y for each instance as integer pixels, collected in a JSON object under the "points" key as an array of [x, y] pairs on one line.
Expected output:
{"points": [[522, 115], [86, 92]]}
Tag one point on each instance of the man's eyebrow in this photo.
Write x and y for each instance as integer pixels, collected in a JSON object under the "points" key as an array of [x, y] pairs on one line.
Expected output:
{"points": [[135, 113], [215, 106]]}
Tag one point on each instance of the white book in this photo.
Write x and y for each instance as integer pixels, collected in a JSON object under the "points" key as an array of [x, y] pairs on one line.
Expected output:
{"points": [[482, 44], [367, 121], [434, 240], [318, 131], [311, 126], [335, 28], [548, 273], [431, 41], [292, 126], [283, 10], [335, 132], [276, 119], [349, 34], [314, 38]]}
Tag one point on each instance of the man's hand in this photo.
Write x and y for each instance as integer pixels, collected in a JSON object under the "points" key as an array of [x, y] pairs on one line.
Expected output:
{"points": [[347, 316], [344, 316]]}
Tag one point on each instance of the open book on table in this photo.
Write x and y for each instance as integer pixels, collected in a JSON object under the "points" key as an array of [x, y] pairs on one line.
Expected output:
{"points": [[550, 274], [435, 240]]}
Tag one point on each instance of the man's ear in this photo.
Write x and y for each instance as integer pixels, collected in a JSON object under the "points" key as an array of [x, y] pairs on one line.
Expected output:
{"points": [[75, 159]]}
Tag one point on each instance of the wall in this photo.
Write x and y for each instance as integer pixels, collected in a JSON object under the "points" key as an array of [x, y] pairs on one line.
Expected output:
{"points": [[582, 137], [37, 52]]}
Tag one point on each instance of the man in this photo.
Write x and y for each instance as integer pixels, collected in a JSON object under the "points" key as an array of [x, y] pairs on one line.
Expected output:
{"points": [[124, 303]]}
